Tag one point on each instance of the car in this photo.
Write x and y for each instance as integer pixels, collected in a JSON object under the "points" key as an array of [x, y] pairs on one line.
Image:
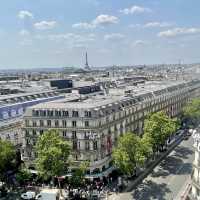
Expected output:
{"points": [[29, 195]]}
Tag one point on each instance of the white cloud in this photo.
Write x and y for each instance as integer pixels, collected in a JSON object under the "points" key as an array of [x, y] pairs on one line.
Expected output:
{"points": [[45, 25], [25, 14], [105, 20], [24, 32], [157, 24], [114, 36], [135, 10], [101, 20], [179, 32], [83, 25], [151, 25]]}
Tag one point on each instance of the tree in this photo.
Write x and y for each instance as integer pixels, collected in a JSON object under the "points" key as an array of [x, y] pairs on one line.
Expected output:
{"points": [[52, 155], [191, 113], [129, 153], [158, 127], [7, 158], [78, 175], [23, 176], [146, 147]]}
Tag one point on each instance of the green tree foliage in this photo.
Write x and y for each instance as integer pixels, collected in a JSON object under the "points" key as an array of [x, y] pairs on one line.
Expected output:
{"points": [[7, 157], [130, 153], [158, 127], [23, 176], [191, 112], [52, 154], [146, 147], [78, 175]]}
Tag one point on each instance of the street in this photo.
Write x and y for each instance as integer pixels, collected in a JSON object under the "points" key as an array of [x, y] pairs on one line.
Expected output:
{"points": [[168, 178]]}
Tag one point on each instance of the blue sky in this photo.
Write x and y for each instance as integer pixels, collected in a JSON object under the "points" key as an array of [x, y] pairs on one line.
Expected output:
{"points": [[54, 33]]}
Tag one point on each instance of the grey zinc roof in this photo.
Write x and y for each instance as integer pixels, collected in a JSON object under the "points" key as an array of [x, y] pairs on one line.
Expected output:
{"points": [[87, 104], [151, 87]]}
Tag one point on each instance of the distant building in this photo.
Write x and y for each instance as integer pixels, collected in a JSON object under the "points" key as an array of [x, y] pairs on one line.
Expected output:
{"points": [[12, 109], [61, 83]]}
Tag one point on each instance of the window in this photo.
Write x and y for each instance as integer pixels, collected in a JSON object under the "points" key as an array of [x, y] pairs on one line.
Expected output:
{"points": [[64, 133], [34, 132], [49, 123], [41, 132], [65, 113], [26, 133], [87, 145], [64, 123], [27, 122], [56, 123], [41, 123], [88, 114], [35, 113], [86, 123], [74, 113], [58, 113], [74, 145], [95, 145], [74, 135], [42, 113], [79, 145], [86, 135], [34, 124], [73, 123], [50, 113]]}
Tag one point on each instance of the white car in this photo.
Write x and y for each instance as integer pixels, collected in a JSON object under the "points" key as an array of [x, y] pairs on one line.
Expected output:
{"points": [[28, 195]]}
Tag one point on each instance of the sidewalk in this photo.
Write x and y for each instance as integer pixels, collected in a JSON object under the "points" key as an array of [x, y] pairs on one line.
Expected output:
{"points": [[182, 195]]}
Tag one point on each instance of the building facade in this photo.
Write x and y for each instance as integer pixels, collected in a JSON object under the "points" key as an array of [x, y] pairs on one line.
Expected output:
{"points": [[93, 125], [195, 178], [12, 109]]}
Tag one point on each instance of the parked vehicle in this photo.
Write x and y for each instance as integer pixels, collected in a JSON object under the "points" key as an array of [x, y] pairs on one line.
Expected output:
{"points": [[48, 194], [29, 195]]}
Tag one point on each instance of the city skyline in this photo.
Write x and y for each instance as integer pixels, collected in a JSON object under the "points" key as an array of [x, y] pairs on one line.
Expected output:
{"points": [[56, 33]]}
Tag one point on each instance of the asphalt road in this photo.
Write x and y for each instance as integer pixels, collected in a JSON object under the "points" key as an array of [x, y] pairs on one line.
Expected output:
{"points": [[168, 179]]}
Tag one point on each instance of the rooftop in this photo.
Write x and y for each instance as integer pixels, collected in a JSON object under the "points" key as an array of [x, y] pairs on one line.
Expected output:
{"points": [[149, 88]]}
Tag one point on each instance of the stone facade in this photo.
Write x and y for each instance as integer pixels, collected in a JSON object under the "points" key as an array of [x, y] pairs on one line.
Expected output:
{"points": [[93, 125]]}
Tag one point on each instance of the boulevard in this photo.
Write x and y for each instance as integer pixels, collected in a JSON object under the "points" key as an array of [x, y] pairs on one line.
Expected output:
{"points": [[168, 179]]}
